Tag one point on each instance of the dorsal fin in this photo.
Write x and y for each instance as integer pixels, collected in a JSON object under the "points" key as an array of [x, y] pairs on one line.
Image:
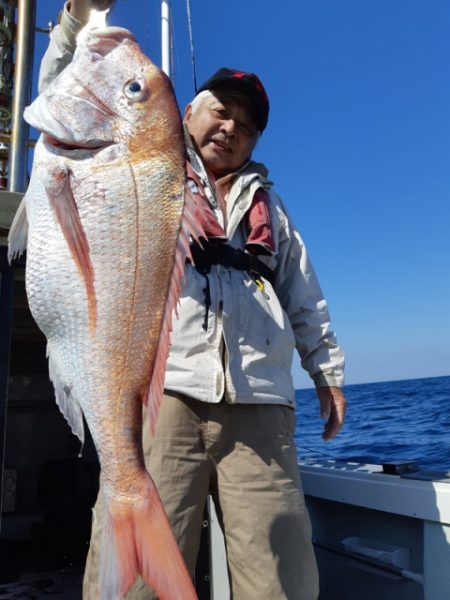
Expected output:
{"points": [[195, 219]]}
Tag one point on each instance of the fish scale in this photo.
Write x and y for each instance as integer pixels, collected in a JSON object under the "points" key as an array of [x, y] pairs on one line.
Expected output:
{"points": [[109, 224]]}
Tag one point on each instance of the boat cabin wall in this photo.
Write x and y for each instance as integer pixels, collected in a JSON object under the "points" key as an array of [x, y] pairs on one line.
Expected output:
{"points": [[48, 490]]}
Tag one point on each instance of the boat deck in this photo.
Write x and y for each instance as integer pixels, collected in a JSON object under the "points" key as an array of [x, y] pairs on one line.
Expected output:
{"points": [[59, 585]]}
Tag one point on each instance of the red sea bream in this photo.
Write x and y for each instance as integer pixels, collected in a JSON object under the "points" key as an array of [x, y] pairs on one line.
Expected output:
{"points": [[108, 234]]}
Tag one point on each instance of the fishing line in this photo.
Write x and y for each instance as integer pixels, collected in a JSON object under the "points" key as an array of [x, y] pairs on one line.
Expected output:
{"points": [[175, 64], [327, 456], [148, 21], [191, 41]]}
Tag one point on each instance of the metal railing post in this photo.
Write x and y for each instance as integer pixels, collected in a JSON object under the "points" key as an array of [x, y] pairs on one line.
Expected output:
{"points": [[26, 18]]}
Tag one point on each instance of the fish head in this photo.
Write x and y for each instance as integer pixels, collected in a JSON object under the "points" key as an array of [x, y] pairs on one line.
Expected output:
{"points": [[111, 94]]}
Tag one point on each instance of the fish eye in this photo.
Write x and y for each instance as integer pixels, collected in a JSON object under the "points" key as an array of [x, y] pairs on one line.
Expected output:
{"points": [[133, 90]]}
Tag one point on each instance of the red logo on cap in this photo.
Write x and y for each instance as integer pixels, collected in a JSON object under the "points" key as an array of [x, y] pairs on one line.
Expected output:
{"points": [[257, 83]]}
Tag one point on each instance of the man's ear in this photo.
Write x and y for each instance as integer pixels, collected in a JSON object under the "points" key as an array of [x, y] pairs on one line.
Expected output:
{"points": [[187, 113]]}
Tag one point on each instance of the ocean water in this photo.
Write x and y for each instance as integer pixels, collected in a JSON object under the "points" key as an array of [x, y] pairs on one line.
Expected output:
{"points": [[405, 420]]}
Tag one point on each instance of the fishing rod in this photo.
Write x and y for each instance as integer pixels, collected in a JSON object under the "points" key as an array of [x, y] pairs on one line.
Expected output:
{"points": [[191, 41], [166, 40]]}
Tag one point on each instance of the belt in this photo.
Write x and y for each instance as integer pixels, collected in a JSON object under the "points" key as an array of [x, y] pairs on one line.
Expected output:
{"points": [[223, 254]]}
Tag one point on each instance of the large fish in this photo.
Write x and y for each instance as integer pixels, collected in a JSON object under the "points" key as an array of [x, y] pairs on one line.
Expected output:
{"points": [[108, 233]]}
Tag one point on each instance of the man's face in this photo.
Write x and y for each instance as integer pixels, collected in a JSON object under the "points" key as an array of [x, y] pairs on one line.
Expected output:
{"points": [[223, 131]]}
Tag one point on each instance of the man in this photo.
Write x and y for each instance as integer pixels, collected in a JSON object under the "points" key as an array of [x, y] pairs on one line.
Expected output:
{"points": [[227, 419]]}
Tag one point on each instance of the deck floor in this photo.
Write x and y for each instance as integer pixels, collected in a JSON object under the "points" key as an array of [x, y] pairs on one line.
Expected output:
{"points": [[58, 585]]}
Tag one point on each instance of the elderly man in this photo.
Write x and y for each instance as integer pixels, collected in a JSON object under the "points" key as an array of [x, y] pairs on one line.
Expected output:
{"points": [[227, 419]]}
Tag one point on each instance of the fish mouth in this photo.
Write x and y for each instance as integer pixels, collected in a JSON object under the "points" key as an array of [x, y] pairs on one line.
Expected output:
{"points": [[71, 146]]}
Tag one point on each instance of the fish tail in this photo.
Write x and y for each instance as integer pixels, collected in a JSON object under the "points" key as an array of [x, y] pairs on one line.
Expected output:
{"points": [[138, 540]]}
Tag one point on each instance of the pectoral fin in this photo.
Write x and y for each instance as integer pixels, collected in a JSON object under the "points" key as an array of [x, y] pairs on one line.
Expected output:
{"points": [[61, 198]]}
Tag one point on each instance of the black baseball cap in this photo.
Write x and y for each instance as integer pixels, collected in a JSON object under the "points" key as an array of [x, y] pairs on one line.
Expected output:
{"points": [[248, 84]]}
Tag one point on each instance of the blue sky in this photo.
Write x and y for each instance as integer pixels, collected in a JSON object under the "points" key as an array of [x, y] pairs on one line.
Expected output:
{"points": [[358, 145]]}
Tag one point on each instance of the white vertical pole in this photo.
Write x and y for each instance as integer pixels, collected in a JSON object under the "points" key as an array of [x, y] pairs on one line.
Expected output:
{"points": [[165, 37]]}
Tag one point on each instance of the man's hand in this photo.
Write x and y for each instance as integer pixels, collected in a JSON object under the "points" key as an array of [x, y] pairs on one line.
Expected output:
{"points": [[332, 408], [81, 9]]}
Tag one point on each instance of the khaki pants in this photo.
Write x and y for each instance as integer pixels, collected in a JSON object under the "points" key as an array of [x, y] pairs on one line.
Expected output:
{"points": [[244, 455]]}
